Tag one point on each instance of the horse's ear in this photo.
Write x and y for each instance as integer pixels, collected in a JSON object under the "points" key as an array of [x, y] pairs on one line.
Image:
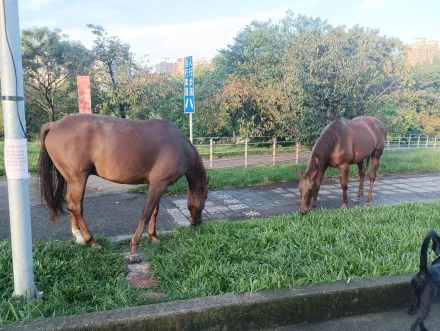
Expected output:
{"points": [[313, 175], [300, 174], [316, 160]]}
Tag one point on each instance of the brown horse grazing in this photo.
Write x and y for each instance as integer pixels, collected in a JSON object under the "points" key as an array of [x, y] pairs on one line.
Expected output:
{"points": [[343, 142], [123, 151]]}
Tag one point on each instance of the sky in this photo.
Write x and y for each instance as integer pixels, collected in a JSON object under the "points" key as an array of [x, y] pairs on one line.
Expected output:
{"points": [[172, 29]]}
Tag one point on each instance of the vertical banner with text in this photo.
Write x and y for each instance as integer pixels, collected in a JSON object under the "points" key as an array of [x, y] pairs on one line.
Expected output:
{"points": [[84, 97]]}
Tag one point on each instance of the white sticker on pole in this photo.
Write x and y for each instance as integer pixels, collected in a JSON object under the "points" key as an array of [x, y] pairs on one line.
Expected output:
{"points": [[16, 161]]}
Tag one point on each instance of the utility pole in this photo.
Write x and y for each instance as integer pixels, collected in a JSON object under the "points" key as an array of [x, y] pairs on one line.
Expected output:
{"points": [[16, 163]]}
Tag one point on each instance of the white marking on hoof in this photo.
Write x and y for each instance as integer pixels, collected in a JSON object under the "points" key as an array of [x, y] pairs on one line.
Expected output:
{"points": [[356, 199], [79, 239]]}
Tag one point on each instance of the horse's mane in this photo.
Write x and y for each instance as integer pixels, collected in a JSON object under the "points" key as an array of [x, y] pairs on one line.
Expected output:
{"points": [[201, 169], [324, 146]]}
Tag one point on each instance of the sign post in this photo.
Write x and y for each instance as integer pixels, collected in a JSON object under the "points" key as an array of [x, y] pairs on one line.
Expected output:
{"points": [[84, 97], [188, 98], [16, 149]]}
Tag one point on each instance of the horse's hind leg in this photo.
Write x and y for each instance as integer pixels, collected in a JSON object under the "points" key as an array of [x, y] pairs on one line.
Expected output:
{"points": [[344, 185], [152, 225], [153, 198], [76, 231], [374, 166], [361, 167], [75, 198]]}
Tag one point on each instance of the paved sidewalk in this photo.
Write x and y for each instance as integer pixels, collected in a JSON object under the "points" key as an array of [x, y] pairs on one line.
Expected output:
{"points": [[110, 210], [283, 198]]}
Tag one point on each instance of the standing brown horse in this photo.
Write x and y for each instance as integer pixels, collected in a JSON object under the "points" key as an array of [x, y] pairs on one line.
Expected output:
{"points": [[342, 143], [123, 151]]}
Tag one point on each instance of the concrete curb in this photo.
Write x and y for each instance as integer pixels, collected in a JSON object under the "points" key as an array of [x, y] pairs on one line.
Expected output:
{"points": [[247, 311]]}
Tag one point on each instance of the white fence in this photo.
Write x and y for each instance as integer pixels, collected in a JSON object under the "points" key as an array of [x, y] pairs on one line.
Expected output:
{"points": [[222, 152]]}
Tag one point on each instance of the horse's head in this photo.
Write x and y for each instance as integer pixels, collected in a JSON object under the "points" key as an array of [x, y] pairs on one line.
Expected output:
{"points": [[307, 186], [196, 201]]}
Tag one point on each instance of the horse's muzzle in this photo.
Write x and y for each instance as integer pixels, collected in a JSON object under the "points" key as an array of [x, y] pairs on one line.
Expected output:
{"points": [[303, 211], [198, 222]]}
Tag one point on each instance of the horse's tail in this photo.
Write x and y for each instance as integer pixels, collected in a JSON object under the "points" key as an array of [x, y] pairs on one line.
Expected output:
{"points": [[424, 253], [52, 183], [368, 161]]}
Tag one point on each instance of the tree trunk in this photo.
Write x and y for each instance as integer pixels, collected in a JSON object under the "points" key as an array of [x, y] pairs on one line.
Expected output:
{"points": [[122, 110], [52, 116], [233, 118], [329, 114]]}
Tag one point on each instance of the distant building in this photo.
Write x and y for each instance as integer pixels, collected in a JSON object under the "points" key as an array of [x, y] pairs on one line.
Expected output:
{"points": [[177, 68], [164, 67], [422, 51]]}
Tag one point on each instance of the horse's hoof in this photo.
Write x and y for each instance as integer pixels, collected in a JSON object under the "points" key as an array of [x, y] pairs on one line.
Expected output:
{"points": [[95, 245], [356, 199], [155, 239], [134, 258]]}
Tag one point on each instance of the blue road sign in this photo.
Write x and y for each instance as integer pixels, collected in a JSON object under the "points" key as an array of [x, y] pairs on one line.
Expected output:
{"points": [[188, 98]]}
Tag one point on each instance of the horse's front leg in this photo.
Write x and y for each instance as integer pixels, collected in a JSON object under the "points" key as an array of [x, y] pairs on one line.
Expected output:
{"points": [[362, 169], [157, 189], [374, 165], [152, 225], [316, 190], [344, 180]]}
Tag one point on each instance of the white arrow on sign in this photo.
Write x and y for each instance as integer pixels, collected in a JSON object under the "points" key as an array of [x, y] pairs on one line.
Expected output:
{"points": [[190, 103]]}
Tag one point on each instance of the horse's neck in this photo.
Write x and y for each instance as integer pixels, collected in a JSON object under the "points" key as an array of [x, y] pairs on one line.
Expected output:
{"points": [[195, 184]]}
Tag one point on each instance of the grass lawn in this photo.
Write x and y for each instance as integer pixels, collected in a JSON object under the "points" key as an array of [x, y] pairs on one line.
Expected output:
{"points": [[221, 151], [419, 160], [416, 160], [224, 257]]}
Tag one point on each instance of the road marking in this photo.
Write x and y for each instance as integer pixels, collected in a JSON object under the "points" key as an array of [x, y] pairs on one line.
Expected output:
{"points": [[179, 218]]}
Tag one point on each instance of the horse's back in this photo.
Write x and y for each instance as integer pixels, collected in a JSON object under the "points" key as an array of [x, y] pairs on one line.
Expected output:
{"points": [[368, 134], [120, 150]]}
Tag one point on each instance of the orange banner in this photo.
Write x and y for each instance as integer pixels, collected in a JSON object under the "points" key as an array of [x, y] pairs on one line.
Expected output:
{"points": [[84, 97]]}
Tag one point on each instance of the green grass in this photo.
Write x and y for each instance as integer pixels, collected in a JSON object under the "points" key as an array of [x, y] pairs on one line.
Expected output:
{"points": [[221, 151], [73, 279], [324, 246], [420, 160], [225, 257], [416, 160]]}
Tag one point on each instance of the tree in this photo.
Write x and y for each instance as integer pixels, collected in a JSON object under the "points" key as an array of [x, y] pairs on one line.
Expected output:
{"points": [[331, 72], [115, 71], [50, 65], [209, 120], [426, 89], [236, 101]]}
